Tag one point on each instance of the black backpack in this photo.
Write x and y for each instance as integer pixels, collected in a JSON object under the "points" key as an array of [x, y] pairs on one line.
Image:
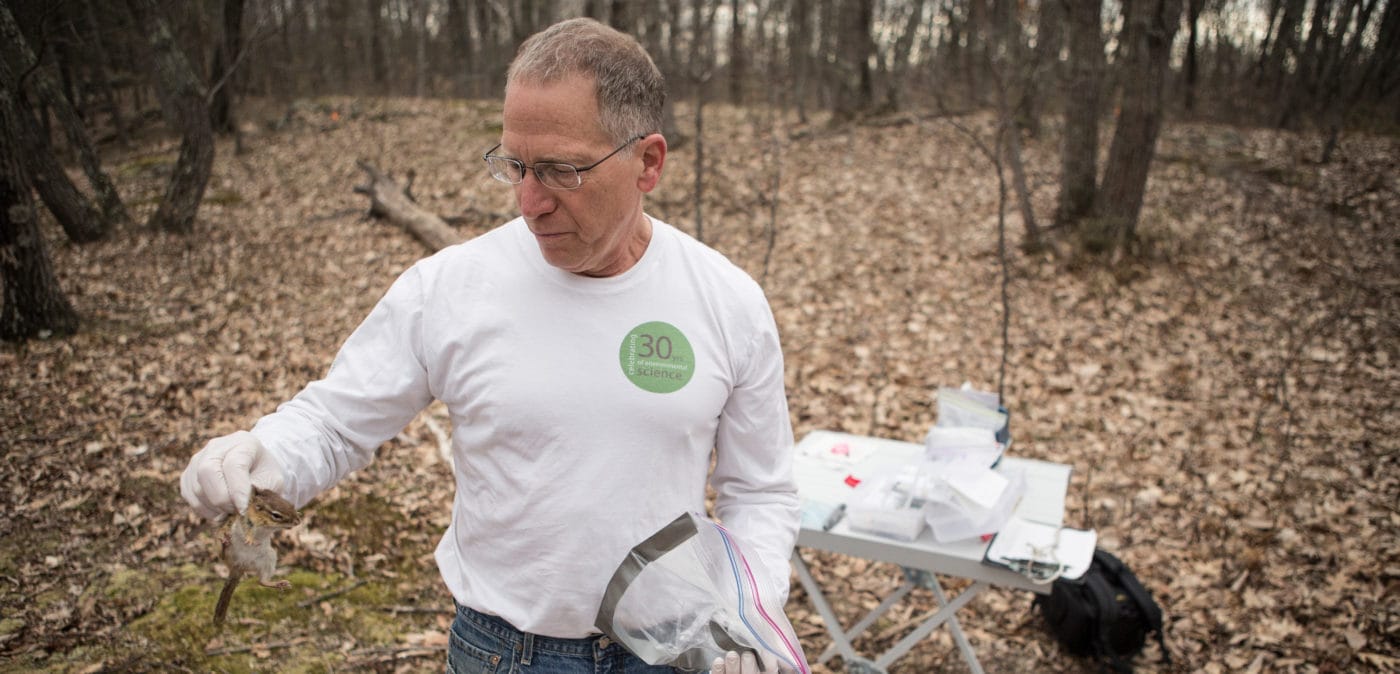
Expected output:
{"points": [[1106, 614]]}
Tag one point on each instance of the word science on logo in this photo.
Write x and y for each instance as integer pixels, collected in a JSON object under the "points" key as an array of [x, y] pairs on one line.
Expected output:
{"points": [[657, 357]]}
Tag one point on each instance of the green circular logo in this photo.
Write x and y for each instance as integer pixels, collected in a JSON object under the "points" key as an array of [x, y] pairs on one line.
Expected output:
{"points": [[657, 357]]}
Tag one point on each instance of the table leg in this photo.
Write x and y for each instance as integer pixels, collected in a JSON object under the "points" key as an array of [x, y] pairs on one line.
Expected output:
{"points": [[833, 626], [948, 614], [841, 639], [870, 618], [956, 628]]}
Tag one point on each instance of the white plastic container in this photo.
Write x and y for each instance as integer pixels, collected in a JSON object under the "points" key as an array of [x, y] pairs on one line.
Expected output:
{"points": [[956, 518], [885, 506]]}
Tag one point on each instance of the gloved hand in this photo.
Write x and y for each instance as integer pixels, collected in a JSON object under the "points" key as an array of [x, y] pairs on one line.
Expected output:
{"points": [[733, 663], [221, 476]]}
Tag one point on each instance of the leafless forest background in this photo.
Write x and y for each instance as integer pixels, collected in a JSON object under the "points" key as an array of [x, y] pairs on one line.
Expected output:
{"points": [[1185, 211]]}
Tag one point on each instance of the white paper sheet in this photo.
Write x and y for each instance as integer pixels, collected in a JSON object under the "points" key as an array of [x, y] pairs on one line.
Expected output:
{"points": [[1022, 540]]}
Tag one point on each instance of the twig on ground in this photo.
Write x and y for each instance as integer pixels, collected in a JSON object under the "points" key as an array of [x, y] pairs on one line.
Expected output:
{"points": [[400, 608], [370, 656], [330, 595], [231, 650]]}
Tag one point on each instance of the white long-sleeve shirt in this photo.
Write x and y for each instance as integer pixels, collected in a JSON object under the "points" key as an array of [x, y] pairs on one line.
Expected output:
{"points": [[584, 412]]}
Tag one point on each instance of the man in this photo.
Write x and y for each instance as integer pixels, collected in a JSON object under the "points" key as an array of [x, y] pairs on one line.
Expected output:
{"points": [[591, 358]]}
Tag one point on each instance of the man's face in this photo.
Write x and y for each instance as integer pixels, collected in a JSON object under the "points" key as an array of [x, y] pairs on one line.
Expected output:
{"points": [[597, 229]]}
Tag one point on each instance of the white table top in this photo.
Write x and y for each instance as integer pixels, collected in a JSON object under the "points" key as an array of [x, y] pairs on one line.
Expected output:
{"points": [[823, 481]]}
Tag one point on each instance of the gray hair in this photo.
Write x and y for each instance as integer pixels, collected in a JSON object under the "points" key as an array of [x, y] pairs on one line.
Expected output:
{"points": [[630, 89]]}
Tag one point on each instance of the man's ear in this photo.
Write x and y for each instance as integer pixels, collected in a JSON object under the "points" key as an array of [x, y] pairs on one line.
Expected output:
{"points": [[653, 153]]}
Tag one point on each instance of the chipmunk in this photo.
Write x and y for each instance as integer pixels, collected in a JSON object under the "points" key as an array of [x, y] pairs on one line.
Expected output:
{"points": [[247, 544]]}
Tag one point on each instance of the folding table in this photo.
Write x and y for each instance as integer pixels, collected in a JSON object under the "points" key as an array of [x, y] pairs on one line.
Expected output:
{"points": [[823, 481]]}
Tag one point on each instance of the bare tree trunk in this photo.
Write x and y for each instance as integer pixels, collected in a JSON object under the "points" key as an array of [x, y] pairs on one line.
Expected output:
{"points": [[1147, 35], [1079, 156], [1284, 48], [1045, 66], [34, 302], [975, 53], [773, 166], [673, 49], [699, 161], [636, 21], [223, 77], [378, 69], [1344, 91], [952, 60], [420, 48], [702, 60], [460, 60], [1382, 75], [598, 10], [20, 131], [183, 101], [104, 79], [1004, 70], [826, 62], [1303, 83], [666, 62], [1018, 174], [49, 94], [288, 57], [899, 60], [738, 59], [523, 17], [1265, 44], [64, 62], [799, 48], [854, 45], [1191, 67], [336, 51]]}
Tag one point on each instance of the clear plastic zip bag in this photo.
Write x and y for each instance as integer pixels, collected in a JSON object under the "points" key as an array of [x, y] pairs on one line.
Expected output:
{"points": [[688, 594]]}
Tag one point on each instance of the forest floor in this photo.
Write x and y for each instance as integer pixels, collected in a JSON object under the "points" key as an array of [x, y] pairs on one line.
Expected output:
{"points": [[1226, 394]]}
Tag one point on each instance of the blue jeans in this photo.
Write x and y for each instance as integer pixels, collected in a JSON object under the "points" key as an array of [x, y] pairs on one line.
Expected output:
{"points": [[485, 644]]}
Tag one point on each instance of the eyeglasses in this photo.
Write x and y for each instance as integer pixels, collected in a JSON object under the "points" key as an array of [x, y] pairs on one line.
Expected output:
{"points": [[1037, 571], [554, 175]]}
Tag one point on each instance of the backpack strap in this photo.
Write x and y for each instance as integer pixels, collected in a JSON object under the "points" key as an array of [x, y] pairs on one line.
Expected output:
{"points": [[1151, 612]]}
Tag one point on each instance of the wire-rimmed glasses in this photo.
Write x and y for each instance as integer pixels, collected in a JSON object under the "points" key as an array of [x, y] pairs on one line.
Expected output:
{"points": [[554, 175]]}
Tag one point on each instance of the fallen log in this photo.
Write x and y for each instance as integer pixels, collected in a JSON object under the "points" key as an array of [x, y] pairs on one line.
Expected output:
{"points": [[387, 199]]}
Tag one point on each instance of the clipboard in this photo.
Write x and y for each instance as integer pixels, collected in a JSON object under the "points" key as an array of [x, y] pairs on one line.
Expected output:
{"points": [[1042, 552]]}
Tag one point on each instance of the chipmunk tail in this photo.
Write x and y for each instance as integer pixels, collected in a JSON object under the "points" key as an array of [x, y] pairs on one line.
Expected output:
{"points": [[221, 608]]}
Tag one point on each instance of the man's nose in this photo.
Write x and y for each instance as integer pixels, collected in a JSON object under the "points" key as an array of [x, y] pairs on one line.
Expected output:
{"points": [[533, 198]]}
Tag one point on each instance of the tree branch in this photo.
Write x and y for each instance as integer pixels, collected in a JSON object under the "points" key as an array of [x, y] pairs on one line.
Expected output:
{"points": [[389, 200]]}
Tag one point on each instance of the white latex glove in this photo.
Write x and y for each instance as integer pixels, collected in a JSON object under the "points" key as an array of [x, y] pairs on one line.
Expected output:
{"points": [[733, 663], [221, 476]]}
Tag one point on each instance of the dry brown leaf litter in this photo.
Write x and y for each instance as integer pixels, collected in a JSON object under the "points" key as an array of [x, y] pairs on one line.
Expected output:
{"points": [[1227, 398]]}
